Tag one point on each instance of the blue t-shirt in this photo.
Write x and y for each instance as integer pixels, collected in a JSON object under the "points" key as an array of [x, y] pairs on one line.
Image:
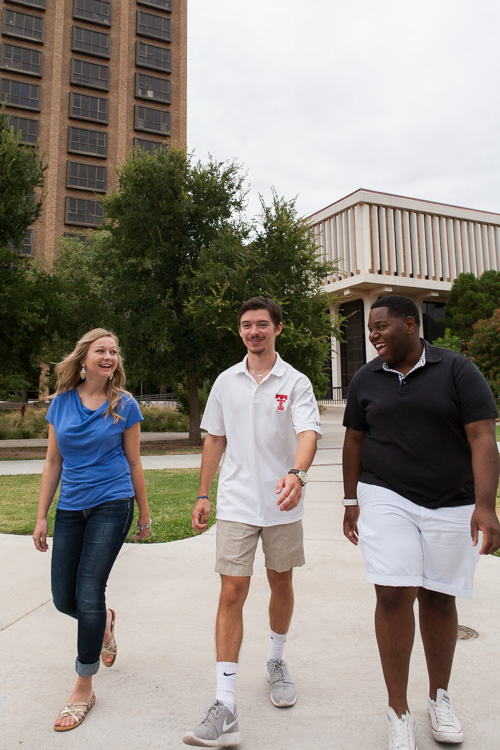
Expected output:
{"points": [[95, 468]]}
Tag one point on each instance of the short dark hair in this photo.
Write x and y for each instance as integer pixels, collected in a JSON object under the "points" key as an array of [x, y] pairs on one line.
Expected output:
{"points": [[399, 307], [262, 303]]}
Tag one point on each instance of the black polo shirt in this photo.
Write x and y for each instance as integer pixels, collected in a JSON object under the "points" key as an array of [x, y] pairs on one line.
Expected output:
{"points": [[415, 442]]}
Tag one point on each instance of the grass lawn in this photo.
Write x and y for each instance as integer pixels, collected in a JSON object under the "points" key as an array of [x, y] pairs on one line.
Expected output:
{"points": [[171, 496]]}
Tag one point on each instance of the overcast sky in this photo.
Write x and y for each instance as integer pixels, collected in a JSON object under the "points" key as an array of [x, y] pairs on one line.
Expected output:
{"points": [[320, 97]]}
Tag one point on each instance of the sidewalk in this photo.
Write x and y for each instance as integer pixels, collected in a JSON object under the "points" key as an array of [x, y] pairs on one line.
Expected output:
{"points": [[165, 596]]}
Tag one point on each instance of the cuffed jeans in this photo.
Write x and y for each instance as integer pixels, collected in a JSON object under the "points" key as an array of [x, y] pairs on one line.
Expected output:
{"points": [[85, 546]]}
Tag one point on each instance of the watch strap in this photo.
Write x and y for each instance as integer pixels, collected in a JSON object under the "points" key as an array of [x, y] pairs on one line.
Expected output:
{"points": [[298, 473]]}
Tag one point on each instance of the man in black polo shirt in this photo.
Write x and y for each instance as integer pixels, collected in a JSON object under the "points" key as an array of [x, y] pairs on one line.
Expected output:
{"points": [[420, 479]]}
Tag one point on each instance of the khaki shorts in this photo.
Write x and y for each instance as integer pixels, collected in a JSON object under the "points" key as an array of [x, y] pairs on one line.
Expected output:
{"points": [[283, 547]]}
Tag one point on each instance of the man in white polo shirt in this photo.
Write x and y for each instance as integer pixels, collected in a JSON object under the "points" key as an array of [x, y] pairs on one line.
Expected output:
{"points": [[264, 412]]}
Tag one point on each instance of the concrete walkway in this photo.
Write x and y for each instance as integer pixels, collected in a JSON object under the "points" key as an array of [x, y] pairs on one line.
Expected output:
{"points": [[166, 599]]}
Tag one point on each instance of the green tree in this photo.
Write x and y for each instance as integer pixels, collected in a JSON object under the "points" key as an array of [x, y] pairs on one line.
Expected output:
{"points": [[22, 177], [166, 211], [484, 350], [178, 260], [29, 311], [472, 299], [281, 262], [25, 291], [78, 297], [288, 268]]}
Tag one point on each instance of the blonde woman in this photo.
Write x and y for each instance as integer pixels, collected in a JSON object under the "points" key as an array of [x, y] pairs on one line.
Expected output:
{"points": [[94, 438]]}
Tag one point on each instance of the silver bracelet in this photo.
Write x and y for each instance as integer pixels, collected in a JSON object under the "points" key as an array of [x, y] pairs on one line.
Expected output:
{"points": [[146, 526], [346, 501]]}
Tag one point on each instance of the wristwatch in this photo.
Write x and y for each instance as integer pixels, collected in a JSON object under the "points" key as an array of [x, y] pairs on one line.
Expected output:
{"points": [[303, 478]]}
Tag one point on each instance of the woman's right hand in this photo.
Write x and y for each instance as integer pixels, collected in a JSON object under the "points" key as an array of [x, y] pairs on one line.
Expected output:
{"points": [[40, 535]]}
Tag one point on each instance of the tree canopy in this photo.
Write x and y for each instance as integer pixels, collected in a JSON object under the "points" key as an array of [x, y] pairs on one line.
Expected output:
{"points": [[25, 291], [22, 178], [29, 312], [176, 261], [472, 299], [472, 308]]}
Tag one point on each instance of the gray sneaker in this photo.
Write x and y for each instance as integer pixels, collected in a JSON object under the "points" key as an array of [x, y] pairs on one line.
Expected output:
{"points": [[283, 691], [219, 728]]}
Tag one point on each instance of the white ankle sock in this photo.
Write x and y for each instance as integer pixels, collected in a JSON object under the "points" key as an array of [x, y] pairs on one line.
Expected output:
{"points": [[226, 683], [277, 648]]}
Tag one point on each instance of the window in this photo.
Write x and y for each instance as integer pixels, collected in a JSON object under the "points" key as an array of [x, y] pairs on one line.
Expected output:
{"points": [[21, 58], [95, 11], [91, 42], [23, 25], [352, 348], [86, 176], [83, 107], [86, 213], [28, 245], [155, 120], [40, 4], [148, 146], [89, 74], [149, 24], [433, 320], [151, 87], [151, 56], [21, 94], [162, 4], [83, 141], [27, 128]]}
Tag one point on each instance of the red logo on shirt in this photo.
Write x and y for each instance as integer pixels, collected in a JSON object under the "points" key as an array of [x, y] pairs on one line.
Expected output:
{"points": [[281, 401]]}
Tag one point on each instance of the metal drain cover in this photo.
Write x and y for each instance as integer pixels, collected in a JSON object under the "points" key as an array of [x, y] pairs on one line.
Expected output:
{"points": [[466, 633]]}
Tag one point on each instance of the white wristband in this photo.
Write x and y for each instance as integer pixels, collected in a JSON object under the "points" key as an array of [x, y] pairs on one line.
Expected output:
{"points": [[346, 502]]}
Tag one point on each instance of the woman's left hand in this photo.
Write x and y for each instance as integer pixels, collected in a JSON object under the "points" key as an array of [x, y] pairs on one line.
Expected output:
{"points": [[142, 533]]}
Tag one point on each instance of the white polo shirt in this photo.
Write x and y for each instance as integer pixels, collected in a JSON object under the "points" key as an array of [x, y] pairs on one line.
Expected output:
{"points": [[261, 423]]}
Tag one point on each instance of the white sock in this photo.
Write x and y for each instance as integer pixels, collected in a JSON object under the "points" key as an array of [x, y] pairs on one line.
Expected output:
{"points": [[277, 648], [226, 683]]}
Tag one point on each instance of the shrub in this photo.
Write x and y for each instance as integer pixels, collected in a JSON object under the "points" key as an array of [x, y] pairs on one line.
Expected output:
{"points": [[449, 341], [181, 396], [163, 419], [15, 426]]}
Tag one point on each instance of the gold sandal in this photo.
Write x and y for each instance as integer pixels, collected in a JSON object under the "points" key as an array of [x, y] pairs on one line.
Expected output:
{"points": [[110, 648], [78, 711]]}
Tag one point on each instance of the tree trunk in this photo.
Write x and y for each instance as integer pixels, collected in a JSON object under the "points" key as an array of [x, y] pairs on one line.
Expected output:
{"points": [[194, 412]]}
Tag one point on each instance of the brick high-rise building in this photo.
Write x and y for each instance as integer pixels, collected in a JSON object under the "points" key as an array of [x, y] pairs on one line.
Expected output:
{"points": [[91, 79]]}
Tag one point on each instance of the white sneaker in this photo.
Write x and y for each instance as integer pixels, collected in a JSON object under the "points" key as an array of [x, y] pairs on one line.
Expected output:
{"points": [[401, 731], [445, 725]]}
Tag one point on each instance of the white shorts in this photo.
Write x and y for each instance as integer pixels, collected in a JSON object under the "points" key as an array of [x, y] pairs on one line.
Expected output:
{"points": [[404, 544]]}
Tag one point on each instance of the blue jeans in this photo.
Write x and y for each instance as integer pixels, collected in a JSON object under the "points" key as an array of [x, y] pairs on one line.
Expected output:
{"points": [[85, 546]]}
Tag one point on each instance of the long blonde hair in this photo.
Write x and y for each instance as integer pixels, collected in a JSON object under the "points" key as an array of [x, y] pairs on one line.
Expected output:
{"points": [[68, 371]]}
